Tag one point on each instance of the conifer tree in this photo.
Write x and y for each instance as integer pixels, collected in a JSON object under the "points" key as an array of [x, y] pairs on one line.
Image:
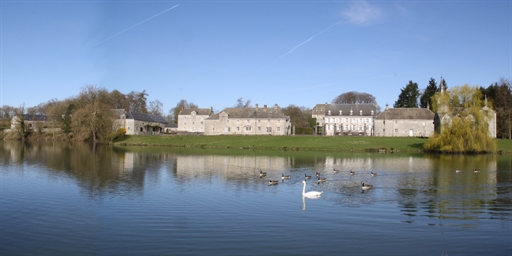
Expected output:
{"points": [[426, 97], [408, 98]]}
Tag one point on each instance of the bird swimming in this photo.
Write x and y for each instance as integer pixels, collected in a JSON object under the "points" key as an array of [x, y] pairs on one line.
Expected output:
{"points": [[311, 194], [285, 177], [307, 177], [352, 172], [366, 186], [263, 173], [273, 182], [373, 174]]}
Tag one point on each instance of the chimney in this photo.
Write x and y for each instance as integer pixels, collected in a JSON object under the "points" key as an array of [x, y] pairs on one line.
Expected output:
{"points": [[256, 106], [386, 106], [264, 107]]}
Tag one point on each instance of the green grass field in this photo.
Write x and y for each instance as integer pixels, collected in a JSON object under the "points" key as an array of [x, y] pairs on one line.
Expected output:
{"points": [[302, 143]]}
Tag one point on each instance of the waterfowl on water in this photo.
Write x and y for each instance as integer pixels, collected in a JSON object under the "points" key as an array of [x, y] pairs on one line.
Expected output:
{"points": [[320, 180], [366, 186], [263, 173], [335, 171], [309, 193], [317, 174], [477, 170], [307, 177], [285, 177], [458, 170], [352, 172], [273, 182], [373, 174]]}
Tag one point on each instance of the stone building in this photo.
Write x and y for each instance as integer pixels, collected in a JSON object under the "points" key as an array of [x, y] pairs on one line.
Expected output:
{"points": [[32, 122], [138, 123], [405, 122], [192, 120], [249, 121], [344, 119]]}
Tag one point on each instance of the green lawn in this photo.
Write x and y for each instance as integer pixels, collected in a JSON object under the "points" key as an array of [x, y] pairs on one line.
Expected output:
{"points": [[339, 143]]}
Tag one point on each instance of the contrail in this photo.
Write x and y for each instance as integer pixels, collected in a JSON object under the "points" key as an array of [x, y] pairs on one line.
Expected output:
{"points": [[309, 39], [126, 29]]}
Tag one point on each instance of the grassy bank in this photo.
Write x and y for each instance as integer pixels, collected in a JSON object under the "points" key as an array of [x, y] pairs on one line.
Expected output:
{"points": [[297, 143]]}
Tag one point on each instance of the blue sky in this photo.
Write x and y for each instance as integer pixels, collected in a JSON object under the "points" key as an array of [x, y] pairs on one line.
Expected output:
{"points": [[270, 52]]}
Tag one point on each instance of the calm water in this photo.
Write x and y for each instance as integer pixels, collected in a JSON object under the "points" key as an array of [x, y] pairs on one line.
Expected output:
{"points": [[62, 199]]}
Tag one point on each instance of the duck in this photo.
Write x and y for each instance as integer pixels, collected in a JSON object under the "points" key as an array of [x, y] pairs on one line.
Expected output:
{"points": [[285, 177], [477, 170], [320, 180], [352, 172], [307, 177], [263, 173], [366, 186], [273, 182], [311, 194], [457, 170], [335, 171], [373, 174]]}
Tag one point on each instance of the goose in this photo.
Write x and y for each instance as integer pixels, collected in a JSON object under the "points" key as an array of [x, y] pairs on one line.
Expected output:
{"points": [[307, 177], [335, 171], [477, 171], [309, 193], [273, 182], [263, 173], [285, 177], [317, 174], [320, 180], [352, 172], [373, 174], [366, 186]]}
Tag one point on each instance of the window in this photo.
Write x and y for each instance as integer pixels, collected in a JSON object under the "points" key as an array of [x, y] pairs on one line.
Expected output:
{"points": [[227, 129], [396, 122], [384, 130], [248, 128], [269, 129], [372, 112], [259, 128], [351, 112], [341, 112], [329, 112], [360, 112], [278, 129], [396, 130], [259, 121], [268, 121], [237, 128]]}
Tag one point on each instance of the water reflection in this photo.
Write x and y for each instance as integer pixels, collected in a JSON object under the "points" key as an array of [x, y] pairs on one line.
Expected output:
{"points": [[421, 185]]}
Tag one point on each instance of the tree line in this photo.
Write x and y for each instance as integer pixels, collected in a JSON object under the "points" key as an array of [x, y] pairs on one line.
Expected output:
{"points": [[81, 115]]}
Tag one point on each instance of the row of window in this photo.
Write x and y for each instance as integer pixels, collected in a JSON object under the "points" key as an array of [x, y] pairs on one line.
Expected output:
{"points": [[347, 120], [345, 128], [249, 120], [248, 128], [351, 112]]}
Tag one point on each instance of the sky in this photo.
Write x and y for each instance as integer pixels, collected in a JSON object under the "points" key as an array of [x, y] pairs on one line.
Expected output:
{"points": [[283, 52]]}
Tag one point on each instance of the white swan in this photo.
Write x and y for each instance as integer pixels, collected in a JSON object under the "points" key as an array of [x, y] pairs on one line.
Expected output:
{"points": [[312, 194]]}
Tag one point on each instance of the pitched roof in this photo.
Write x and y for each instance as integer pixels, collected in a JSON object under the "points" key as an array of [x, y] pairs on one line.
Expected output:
{"points": [[145, 117], [29, 117], [256, 112], [323, 109], [200, 111], [406, 113]]}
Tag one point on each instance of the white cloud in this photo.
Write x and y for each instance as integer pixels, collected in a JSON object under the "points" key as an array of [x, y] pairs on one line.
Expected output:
{"points": [[362, 13]]}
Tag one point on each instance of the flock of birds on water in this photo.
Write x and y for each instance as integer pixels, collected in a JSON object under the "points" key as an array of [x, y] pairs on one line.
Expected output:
{"points": [[314, 194], [319, 180]]}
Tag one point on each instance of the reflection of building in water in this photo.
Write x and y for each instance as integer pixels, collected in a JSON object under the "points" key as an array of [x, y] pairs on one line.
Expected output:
{"points": [[230, 165]]}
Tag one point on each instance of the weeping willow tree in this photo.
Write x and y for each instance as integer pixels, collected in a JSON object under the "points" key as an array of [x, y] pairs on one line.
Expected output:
{"points": [[464, 121]]}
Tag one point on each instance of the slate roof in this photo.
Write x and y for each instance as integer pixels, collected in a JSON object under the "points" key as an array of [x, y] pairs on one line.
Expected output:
{"points": [[145, 117], [406, 113], [29, 117], [323, 109], [200, 111], [256, 112]]}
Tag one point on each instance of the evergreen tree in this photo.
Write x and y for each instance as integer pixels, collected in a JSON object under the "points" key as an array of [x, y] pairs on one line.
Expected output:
{"points": [[426, 97], [408, 98]]}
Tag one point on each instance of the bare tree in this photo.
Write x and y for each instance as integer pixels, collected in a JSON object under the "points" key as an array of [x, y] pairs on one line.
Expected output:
{"points": [[241, 104], [156, 108]]}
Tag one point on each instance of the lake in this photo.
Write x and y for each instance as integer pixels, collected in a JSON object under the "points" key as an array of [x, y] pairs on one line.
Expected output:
{"points": [[73, 199]]}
